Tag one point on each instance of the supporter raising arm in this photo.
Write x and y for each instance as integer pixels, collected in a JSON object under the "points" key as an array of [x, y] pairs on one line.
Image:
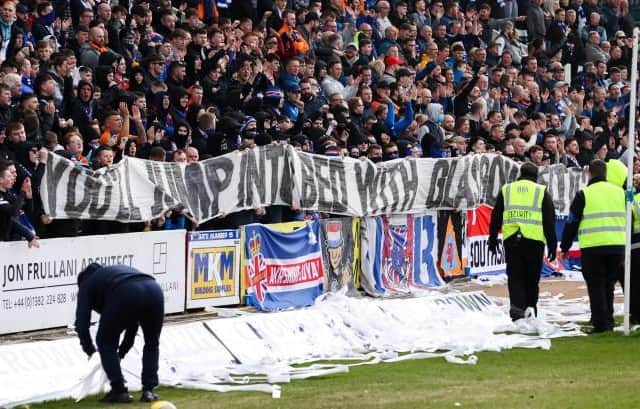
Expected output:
{"points": [[397, 127], [11, 204]]}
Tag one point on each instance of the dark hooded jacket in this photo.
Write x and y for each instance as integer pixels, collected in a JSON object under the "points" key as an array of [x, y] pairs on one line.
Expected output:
{"points": [[139, 86], [95, 286], [83, 113], [162, 114], [178, 114]]}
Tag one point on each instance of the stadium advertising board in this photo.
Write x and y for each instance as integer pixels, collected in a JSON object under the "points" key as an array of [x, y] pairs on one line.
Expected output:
{"points": [[213, 268], [38, 287]]}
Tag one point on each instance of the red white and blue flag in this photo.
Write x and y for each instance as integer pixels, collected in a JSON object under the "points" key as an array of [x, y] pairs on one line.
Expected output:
{"points": [[283, 270], [573, 262], [399, 254], [480, 260]]}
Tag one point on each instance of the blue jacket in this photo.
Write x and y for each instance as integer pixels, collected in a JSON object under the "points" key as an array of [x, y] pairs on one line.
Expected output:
{"points": [[290, 110], [398, 126], [95, 286]]}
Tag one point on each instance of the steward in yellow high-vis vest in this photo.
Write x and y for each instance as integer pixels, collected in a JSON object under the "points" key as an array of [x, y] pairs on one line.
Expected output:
{"points": [[616, 172], [635, 254], [525, 212], [597, 216]]}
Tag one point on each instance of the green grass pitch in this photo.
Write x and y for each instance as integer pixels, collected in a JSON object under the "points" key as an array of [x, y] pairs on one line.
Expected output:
{"points": [[599, 371]]}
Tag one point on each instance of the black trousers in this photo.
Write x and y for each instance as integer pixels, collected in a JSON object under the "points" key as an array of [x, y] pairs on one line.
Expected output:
{"points": [[634, 308], [635, 286], [132, 303], [599, 271], [524, 263]]}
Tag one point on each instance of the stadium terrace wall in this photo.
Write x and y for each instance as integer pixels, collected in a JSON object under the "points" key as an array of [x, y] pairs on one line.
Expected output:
{"points": [[270, 267]]}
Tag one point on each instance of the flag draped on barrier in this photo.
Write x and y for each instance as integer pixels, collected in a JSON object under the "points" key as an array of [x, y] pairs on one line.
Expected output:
{"points": [[450, 239], [481, 260], [399, 254], [283, 270], [136, 190], [340, 253], [574, 261]]}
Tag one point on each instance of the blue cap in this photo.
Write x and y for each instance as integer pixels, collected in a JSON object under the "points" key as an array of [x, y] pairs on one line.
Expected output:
{"points": [[292, 87]]}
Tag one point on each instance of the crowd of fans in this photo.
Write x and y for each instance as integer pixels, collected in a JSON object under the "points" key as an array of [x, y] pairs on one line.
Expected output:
{"points": [[546, 81]]}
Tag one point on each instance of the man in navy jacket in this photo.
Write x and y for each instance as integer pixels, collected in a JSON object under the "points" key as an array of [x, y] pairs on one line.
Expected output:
{"points": [[125, 298]]}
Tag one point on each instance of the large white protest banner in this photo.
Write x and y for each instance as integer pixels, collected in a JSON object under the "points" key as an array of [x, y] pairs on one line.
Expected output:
{"points": [[137, 190], [39, 286]]}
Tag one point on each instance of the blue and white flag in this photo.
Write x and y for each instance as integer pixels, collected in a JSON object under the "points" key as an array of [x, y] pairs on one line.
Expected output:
{"points": [[399, 254], [283, 270]]}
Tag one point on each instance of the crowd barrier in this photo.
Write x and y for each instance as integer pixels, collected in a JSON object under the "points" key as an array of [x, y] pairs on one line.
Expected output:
{"points": [[267, 266]]}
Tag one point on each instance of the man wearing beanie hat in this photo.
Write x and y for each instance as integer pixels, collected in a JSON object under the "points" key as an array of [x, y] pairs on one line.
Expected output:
{"points": [[586, 148], [524, 210], [349, 59]]}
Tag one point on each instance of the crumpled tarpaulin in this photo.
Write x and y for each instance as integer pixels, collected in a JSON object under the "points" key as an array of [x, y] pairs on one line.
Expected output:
{"points": [[258, 351]]}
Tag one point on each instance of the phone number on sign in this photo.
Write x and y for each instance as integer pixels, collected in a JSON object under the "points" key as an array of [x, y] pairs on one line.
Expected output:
{"points": [[36, 301]]}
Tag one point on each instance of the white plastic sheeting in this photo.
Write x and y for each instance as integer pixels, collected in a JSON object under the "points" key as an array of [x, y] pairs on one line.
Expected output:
{"points": [[255, 352], [501, 279], [38, 371]]}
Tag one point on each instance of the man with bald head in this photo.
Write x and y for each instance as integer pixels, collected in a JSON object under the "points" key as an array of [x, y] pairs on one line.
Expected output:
{"points": [[366, 29], [390, 39], [593, 50], [519, 150], [518, 97], [97, 45], [383, 8], [593, 24], [193, 155]]}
